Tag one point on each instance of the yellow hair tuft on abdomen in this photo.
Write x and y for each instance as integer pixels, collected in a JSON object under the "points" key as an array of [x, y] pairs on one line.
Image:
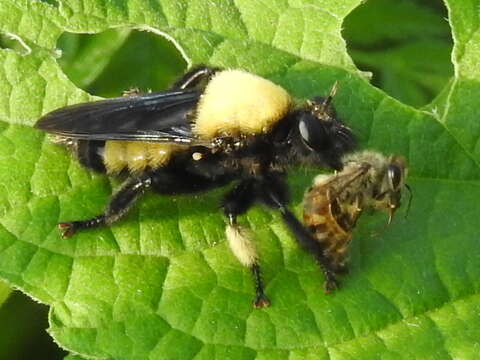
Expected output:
{"points": [[136, 156]]}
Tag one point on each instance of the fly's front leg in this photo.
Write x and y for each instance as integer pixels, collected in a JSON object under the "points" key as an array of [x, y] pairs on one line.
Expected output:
{"points": [[308, 243], [119, 204], [275, 195], [235, 203]]}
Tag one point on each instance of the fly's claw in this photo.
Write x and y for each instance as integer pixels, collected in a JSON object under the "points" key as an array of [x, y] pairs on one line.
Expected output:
{"points": [[67, 229]]}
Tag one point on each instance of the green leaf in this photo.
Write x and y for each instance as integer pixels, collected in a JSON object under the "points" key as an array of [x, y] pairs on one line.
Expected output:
{"points": [[162, 284]]}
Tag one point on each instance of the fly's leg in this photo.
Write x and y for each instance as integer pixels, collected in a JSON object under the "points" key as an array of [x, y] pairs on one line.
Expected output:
{"points": [[194, 77], [191, 79], [118, 206], [235, 203], [309, 244], [274, 193]]}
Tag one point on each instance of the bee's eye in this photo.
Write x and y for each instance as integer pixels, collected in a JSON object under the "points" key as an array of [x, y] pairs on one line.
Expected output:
{"points": [[313, 132], [394, 175]]}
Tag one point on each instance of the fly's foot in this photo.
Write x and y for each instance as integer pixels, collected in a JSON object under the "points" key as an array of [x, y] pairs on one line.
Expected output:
{"points": [[261, 301], [67, 229]]}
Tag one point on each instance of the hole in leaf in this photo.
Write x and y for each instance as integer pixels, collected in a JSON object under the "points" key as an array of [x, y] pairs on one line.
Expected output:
{"points": [[22, 333], [14, 42], [108, 63], [405, 44]]}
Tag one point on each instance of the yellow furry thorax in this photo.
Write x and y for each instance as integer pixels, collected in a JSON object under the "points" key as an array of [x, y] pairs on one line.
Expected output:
{"points": [[237, 102]]}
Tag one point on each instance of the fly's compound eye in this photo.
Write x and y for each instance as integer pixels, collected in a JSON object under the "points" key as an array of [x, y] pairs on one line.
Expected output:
{"points": [[394, 174], [313, 132]]}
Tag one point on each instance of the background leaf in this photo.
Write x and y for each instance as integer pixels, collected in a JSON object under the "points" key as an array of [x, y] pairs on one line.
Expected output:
{"points": [[22, 330], [143, 59], [162, 283], [405, 44]]}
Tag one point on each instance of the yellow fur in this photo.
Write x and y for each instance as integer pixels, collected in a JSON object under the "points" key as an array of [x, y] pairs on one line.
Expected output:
{"points": [[159, 154], [136, 155], [237, 102], [114, 156]]}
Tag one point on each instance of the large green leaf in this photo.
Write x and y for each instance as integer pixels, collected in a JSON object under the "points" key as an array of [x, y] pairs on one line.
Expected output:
{"points": [[162, 284]]}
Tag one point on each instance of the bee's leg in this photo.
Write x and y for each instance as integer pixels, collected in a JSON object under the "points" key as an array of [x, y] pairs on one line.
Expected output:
{"points": [[119, 204], [275, 195], [235, 203], [193, 77]]}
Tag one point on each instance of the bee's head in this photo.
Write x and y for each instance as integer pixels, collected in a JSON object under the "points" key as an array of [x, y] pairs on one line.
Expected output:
{"points": [[322, 133], [394, 179]]}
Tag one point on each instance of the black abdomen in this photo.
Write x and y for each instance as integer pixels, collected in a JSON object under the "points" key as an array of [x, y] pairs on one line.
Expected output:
{"points": [[89, 154]]}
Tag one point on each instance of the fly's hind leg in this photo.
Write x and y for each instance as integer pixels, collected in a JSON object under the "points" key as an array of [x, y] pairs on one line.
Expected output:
{"points": [[131, 92], [191, 79], [118, 206], [235, 203], [194, 77]]}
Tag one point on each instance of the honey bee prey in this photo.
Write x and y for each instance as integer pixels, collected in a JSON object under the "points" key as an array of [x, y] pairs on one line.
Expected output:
{"points": [[332, 206], [211, 128]]}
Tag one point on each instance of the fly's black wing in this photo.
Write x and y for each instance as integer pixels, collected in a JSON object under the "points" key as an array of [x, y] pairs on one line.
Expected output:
{"points": [[157, 117]]}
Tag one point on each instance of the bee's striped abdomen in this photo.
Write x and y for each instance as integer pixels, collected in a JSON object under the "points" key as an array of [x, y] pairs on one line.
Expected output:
{"points": [[320, 220]]}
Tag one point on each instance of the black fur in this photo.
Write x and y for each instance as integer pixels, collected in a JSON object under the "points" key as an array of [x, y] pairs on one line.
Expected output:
{"points": [[88, 154]]}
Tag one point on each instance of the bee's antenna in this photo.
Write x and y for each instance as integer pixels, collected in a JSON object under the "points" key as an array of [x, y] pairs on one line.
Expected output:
{"points": [[409, 199], [330, 96]]}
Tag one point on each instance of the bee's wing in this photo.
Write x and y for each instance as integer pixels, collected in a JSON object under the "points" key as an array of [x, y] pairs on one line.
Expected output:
{"points": [[343, 181], [158, 117]]}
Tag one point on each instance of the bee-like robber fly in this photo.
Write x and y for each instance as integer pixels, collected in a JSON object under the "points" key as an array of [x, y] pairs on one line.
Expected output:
{"points": [[211, 128]]}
